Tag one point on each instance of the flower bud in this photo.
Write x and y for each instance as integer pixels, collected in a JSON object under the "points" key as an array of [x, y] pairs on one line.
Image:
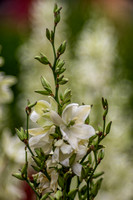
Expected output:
{"points": [[108, 127], [101, 154], [43, 59], [24, 169], [18, 176], [61, 48], [63, 81], [46, 84], [47, 33], [67, 95], [37, 160], [96, 187], [21, 134]]}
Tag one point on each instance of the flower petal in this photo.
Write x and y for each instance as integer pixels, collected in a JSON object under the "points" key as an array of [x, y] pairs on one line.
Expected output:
{"points": [[42, 107], [82, 131], [66, 149], [69, 112], [34, 116], [53, 103], [36, 131], [82, 113], [42, 141], [77, 169], [55, 118]]}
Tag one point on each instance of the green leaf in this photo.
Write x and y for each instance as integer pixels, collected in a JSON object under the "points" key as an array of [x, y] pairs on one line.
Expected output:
{"points": [[108, 127], [61, 181], [18, 176], [36, 168], [43, 92], [98, 174], [58, 194], [24, 169], [72, 193], [72, 159], [45, 196]]}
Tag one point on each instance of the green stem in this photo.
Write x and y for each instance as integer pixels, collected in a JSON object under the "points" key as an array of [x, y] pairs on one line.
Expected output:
{"points": [[54, 66], [29, 183], [30, 150]]}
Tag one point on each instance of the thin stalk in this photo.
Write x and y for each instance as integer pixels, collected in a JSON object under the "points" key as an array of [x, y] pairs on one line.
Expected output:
{"points": [[54, 66], [29, 183]]}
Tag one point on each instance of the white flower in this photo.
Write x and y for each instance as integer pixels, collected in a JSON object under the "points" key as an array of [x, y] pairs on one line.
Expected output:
{"points": [[41, 113], [41, 139], [72, 124], [63, 152]]}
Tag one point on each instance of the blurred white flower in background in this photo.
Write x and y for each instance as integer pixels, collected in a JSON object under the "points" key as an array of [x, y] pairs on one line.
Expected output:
{"points": [[95, 56], [11, 150]]}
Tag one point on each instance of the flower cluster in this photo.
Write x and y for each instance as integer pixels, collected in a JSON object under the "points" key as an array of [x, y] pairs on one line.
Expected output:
{"points": [[63, 145]]}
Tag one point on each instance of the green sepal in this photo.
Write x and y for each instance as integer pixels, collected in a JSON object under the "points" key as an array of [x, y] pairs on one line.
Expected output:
{"points": [[108, 127], [62, 48], [101, 154], [31, 105], [51, 198], [58, 195], [67, 95], [72, 159], [72, 193], [46, 84], [21, 134], [52, 36], [63, 81], [62, 70], [55, 8], [61, 181], [96, 187], [45, 196], [92, 138], [42, 59], [24, 169], [47, 33], [18, 176], [37, 160], [98, 174], [36, 168], [60, 78], [83, 190], [83, 173]]}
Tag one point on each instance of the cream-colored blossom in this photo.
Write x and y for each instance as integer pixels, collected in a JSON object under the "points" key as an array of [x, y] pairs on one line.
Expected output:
{"points": [[63, 152], [72, 124], [41, 114]]}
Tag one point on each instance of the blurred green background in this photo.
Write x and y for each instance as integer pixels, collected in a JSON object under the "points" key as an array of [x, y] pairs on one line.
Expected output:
{"points": [[19, 36]]}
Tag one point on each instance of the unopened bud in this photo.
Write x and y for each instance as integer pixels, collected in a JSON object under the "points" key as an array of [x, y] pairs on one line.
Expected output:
{"points": [[43, 59]]}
